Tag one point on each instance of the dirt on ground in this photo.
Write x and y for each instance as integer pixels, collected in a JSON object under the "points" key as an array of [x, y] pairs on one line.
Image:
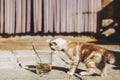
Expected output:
{"points": [[26, 42], [41, 42]]}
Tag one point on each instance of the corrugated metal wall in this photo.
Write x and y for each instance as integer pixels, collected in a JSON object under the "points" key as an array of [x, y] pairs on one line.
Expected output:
{"points": [[26, 16]]}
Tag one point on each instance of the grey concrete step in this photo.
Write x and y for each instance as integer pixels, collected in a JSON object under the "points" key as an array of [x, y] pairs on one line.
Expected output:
{"points": [[8, 60], [25, 57]]}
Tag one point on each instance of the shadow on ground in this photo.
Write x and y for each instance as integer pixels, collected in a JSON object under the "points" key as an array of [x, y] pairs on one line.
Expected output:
{"points": [[66, 69], [117, 57], [77, 70], [31, 68]]}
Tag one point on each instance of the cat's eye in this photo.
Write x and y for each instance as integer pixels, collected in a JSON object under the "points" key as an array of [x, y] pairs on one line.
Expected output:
{"points": [[53, 44]]}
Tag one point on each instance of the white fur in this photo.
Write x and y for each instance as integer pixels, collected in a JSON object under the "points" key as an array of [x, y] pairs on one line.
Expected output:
{"points": [[63, 44], [77, 50], [60, 41], [71, 72]]}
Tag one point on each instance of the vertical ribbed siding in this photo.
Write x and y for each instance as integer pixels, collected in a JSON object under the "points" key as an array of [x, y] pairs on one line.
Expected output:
{"points": [[23, 15], [2, 16], [28, 16], [56, 13], [37, 4], [48, 15], [63, 12], [79, 16], [60, 16], [18, 16], [7, 16]]}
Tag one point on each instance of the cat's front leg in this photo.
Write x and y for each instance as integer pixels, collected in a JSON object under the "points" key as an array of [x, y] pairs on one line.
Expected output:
{"points": [[71, 71], [72, 68]]}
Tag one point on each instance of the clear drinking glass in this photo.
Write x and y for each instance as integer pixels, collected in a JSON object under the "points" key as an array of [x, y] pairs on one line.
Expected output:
{"points": [[44, 62]]}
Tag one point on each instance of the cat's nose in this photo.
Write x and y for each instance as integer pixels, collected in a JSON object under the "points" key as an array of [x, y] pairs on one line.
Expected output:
{"points": [[50, 44]]}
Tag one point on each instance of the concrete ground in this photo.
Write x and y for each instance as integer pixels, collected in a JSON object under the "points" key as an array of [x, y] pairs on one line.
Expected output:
{"points": [[20, 65], [18, 60]]}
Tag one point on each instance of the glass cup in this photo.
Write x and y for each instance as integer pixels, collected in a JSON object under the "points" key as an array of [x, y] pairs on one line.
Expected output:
{"points": [[44, 62]]}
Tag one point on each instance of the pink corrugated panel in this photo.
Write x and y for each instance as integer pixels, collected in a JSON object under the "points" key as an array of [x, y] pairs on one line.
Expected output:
{"points": [[50, 15], [2, 16], [46, 16], [23, 16], [37, 15], [75, 16], [7, 16], [28, 15], [13, 16], [63, 12], [57, 15], [80, 18], [18, 16]]}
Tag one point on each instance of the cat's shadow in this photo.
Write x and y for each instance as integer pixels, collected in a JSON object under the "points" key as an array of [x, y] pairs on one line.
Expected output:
{"points": [[117, 60], [66, 69]]}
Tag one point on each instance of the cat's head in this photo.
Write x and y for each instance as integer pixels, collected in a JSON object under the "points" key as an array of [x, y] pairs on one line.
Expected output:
{"points": [[57, 44]]}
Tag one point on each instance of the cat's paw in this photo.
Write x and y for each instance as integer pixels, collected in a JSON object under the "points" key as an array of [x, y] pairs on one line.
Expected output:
{"points": [[70, 73], [83, 73]]}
